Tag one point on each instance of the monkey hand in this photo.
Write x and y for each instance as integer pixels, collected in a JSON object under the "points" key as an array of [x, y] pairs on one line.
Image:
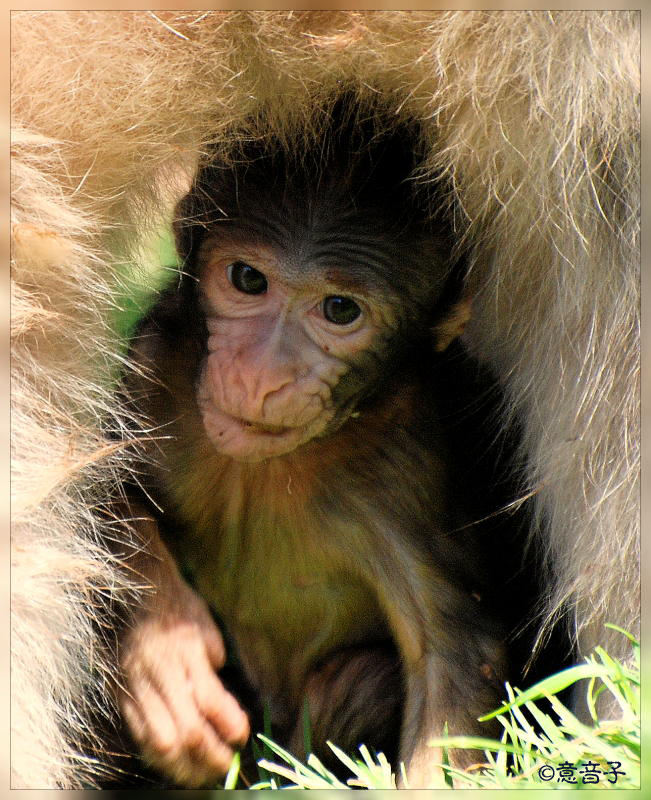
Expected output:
{"points": [[177, 709]]}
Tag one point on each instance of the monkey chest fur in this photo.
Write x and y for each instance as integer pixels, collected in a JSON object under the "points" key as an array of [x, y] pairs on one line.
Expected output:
{"points": [[329, 548], [285, 580]]}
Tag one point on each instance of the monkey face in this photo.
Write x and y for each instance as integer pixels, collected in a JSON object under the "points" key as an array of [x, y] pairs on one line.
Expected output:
{"points": [[280, 339]]}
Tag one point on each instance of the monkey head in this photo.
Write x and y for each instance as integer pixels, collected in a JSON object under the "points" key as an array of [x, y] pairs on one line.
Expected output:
{"points": [[314, 281]]}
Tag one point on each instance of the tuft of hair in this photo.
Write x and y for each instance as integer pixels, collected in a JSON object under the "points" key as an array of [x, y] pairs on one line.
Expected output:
{"points": [[64, 576], [532, 120]]}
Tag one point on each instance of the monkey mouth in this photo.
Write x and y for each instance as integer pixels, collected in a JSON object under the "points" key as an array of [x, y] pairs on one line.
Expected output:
{"points": [[263, 427], [249, 441]]}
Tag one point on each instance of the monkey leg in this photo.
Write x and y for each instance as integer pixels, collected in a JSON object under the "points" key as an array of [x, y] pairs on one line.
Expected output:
{"points": [[441, 691], [355, 697]]}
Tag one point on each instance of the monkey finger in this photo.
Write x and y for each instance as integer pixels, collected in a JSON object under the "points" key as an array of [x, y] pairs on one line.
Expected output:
{"points": [[209, 753], [196, 740], [189, 717], [149, 675], [166, 702], [189, 773], [134, 719], [220, 707], [187, 768], [214, 644], [151, 724], [177, 738]]}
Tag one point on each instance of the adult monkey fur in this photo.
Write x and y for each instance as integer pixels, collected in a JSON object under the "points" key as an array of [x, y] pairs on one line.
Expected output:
{"points": [[302, 475], [531, 116]]}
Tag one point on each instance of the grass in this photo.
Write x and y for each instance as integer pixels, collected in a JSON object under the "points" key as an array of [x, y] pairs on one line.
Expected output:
{"points": [[537, 750], [157, 266]]}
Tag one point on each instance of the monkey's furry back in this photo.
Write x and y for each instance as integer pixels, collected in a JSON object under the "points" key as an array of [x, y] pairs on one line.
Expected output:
{"points": [[532, 119]]}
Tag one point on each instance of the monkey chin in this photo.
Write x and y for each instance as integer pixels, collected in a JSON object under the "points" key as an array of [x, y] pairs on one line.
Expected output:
{"points": [[252, 442]]}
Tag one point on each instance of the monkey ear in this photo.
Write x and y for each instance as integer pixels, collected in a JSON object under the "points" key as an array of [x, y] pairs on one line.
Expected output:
{"points": [[453, 324]]}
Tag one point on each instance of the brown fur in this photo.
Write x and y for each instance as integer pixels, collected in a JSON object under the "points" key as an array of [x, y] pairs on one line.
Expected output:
{"points": [[312, 558], [533, 116]]}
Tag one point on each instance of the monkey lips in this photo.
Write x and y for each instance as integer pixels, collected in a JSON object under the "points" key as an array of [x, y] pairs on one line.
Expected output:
{"points": [[248, 441]]}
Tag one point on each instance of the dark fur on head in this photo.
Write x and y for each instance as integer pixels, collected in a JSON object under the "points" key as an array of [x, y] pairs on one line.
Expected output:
{"points": [[305, 198]]}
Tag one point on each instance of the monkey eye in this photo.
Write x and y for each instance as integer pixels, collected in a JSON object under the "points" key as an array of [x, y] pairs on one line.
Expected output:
{"points": [[246, 279], [340, 310]]}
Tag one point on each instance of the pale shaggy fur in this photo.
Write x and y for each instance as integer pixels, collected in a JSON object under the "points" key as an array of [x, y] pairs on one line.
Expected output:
{"points": [[531, 116], [62, 469]]}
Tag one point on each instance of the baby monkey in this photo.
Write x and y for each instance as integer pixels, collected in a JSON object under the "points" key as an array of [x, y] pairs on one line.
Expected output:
{"points": [[299, 470]]}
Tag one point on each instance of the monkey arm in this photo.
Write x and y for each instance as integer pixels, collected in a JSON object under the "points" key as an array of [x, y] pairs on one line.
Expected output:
{"points": [[176, 707]]}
